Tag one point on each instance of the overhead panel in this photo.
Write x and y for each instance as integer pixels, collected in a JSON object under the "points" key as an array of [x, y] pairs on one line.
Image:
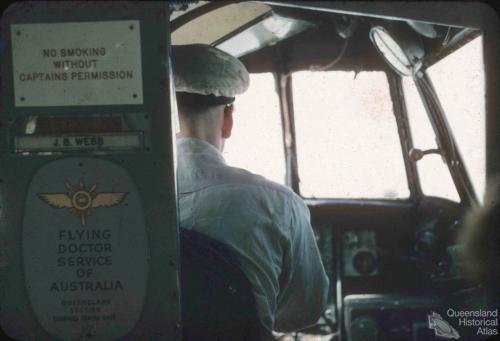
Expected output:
{"points": [[214, 25], [267, 31]]}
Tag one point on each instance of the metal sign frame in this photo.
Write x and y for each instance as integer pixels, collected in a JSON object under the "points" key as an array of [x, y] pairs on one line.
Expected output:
{"points": [[152, 168]]}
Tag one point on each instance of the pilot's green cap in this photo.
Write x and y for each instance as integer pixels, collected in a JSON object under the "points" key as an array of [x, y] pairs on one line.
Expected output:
{"points": [[205, 70]]}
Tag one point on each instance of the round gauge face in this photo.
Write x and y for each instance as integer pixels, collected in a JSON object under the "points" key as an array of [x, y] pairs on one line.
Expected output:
{"points": [[364, 262], [391, 50]]}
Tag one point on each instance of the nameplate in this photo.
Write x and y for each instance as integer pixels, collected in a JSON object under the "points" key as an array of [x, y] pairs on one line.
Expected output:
{"points": [[78, 142]]}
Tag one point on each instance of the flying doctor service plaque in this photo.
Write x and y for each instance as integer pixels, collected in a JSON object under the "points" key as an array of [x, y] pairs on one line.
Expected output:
{"points": [[85, 249], [77, 64]]}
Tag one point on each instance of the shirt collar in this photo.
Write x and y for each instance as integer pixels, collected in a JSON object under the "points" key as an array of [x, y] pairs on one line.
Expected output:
{"points": [[194, 146]]}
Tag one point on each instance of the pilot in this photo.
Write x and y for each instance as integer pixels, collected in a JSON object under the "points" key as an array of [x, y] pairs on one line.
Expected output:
{"points": [[265, 223]]}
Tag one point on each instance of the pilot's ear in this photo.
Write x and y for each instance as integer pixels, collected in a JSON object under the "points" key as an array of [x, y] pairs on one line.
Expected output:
{"points": [[227, 125]]}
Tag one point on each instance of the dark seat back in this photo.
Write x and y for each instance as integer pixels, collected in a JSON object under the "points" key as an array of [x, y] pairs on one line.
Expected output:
{"points": [[217, 298]]}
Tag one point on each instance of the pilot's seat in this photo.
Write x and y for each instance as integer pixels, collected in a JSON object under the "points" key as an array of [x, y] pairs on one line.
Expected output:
{"points": [[217, 298]]}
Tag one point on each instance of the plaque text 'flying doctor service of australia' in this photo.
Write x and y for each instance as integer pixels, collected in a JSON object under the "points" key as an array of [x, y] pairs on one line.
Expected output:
{"points": [[89, 279]]}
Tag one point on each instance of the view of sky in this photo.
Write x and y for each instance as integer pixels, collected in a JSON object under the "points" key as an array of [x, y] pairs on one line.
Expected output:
{"points": [[347, 141]]}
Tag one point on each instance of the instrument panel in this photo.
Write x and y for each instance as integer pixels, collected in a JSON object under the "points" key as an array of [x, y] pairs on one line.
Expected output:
{"points": [[359, 253]]}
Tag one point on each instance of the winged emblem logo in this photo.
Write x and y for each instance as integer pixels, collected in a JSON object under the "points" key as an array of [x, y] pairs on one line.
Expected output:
{"points": [[80, 200]]}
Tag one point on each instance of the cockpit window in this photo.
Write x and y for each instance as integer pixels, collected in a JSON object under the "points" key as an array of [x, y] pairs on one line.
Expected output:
{"points": [[460, 85], [435, 178], [256, 143], [347, 139]]}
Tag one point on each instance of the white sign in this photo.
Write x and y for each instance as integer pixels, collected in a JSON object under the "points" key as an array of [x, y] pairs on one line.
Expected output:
{"points": [[76, 64]]}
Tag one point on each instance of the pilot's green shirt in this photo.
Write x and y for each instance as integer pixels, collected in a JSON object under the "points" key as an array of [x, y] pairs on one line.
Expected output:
{"points": [[265, 223]]}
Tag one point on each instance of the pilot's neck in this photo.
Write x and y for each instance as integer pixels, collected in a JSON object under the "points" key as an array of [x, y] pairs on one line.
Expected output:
{"points": [[214, 140]]}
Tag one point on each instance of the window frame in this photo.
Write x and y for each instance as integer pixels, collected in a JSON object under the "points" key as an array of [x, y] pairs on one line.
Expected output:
{"points": [[463, 175], [420, 195], [435, 115], [285, 93], [441, 128], [445, 139]]}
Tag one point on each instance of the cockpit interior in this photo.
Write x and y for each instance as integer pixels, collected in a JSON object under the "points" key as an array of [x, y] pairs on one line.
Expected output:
{"points": [[382, 116], [364, 105]]}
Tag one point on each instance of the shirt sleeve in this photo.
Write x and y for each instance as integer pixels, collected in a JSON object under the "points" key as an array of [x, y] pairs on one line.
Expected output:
{"points": [[304, 295]]}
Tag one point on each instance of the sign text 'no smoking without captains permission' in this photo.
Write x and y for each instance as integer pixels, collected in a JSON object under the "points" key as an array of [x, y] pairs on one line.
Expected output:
{"points": [[63, 64]]}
